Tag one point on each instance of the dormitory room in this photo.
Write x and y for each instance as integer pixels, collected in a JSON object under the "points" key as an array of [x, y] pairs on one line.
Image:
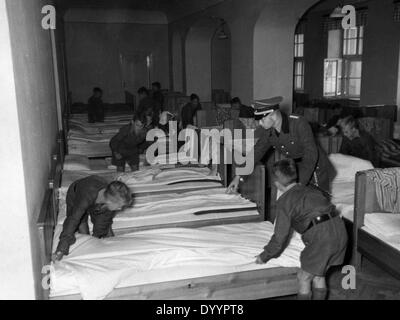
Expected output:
{"points": [[200, 150]]}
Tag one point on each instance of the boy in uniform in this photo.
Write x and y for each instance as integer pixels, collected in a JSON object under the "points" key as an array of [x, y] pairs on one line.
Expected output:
{"points": [[126, 145], [91, 197], [309, 212]]}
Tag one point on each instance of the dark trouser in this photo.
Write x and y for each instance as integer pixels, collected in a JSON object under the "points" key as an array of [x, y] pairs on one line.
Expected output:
{"points": [[70, 201]]}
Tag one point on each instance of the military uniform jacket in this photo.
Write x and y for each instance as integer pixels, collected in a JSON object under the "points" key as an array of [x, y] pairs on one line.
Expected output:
{"points": [[296, 141]]}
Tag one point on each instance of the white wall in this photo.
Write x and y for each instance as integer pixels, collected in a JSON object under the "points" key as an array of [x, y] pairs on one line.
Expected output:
{"points": [[274, 49], [37, 118], [198, 58], [16, 271], [177, 62]]}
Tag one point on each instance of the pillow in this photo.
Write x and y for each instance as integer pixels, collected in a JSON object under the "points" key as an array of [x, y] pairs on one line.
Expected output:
{"points": [[346, 166], [76, 163]]}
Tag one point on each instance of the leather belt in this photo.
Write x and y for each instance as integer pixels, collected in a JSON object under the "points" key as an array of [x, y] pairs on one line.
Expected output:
{"points": [[321, 219]]}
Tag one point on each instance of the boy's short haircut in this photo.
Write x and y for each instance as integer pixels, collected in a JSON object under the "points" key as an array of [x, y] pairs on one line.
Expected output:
{"points": [[236, 100], [194, 96], [143, 90], [119, 190], [157, 85], [285, 171], [97, 89]]}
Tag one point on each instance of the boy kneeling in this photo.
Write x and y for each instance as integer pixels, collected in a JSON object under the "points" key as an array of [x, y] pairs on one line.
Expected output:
{"points": [[94, 197], [307, 211]]}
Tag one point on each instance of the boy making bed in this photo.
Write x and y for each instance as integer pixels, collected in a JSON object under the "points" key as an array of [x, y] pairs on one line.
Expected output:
{"points": [[307, 211]]}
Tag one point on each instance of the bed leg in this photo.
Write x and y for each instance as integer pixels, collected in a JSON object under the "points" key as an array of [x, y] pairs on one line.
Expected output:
{"points": [[357, 261]]}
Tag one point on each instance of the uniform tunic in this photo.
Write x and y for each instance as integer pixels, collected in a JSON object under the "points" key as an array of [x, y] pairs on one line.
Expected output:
{"points": [[81, 203], [127, 143], [296, 141], [325, 243]]}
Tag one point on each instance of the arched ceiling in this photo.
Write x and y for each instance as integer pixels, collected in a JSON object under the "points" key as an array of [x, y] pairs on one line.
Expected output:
{"points": [[174, 9]]}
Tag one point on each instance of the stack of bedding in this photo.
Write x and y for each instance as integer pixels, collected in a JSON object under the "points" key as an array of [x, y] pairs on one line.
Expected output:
{"points": [[96, 267], [92, 139]]}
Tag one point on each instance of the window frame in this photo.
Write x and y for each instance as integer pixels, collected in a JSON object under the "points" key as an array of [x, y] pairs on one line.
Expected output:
{"points": [[343, 79], [299, 59]]}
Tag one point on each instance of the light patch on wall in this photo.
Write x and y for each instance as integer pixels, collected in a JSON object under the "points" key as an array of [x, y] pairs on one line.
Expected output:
{"points": [[115, 16]]}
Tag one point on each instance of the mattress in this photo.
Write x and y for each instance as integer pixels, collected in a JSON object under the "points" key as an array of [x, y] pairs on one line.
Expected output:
{"points": [[385, 227], [150, 179], [96, 267], [172, 208], [343, 198]]}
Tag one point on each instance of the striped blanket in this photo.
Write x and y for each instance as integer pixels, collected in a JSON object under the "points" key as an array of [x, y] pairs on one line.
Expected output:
{"points": [[387, 186]]}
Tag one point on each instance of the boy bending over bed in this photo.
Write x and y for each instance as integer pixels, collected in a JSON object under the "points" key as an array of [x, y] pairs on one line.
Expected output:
{"points": [[94, 197], [307, 211]]}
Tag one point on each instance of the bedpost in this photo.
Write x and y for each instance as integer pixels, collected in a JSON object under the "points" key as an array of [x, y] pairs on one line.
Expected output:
{"points": [[359, 211]]}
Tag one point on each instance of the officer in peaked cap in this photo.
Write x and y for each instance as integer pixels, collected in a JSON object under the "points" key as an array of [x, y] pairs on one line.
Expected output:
{"points": [[293, 138]]}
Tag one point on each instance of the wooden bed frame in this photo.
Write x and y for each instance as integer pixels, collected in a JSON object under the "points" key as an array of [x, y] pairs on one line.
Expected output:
{"points": [[365, 244], [267, 283]]}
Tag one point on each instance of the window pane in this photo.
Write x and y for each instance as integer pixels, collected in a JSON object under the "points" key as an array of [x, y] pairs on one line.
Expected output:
{"points": [[301, 50], [350, 47], [355, 87], [361, 32], [360, 46], [301, 38], [330, 69], [330, 80], [350, 33], [299, 68], [299, 83], [355, 69]]}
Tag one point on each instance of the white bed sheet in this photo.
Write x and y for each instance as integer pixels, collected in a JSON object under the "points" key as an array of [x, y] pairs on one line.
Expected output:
{"points": [[95, 267], [149, 179], [174, 208], [343, 198], [384, 226]]}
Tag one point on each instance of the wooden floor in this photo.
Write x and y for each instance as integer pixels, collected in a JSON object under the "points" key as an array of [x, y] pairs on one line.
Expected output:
{"points": [[372, 284]]}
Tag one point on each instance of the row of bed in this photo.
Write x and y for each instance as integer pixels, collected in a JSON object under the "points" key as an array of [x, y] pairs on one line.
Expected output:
{"points": [[185, 238]]}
